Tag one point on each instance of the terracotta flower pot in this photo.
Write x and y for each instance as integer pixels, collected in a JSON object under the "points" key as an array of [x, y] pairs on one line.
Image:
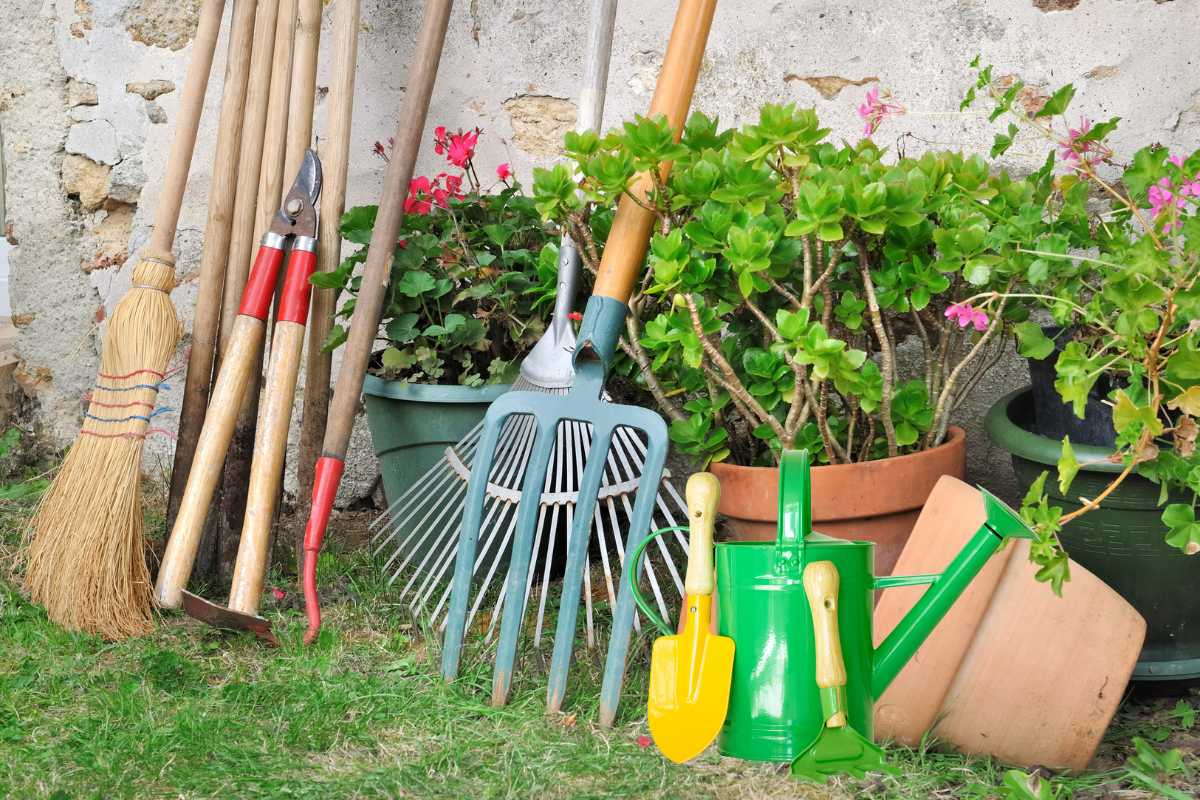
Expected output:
{"points": [[877, 501]]}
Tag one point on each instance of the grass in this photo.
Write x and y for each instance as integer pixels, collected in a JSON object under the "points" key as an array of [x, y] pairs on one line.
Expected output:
{"points": [[191, 712]]}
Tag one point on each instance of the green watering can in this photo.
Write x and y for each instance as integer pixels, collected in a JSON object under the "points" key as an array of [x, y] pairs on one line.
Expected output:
{"points": [[775, 707]]}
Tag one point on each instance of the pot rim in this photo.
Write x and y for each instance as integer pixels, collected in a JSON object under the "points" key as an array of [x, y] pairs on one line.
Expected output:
{"points": [[432, 392], [1008, 435], [953, 435]]}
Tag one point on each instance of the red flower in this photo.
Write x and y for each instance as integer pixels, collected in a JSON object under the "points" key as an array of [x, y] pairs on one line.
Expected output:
{"points": [[454, 186], [439, 139], [504, 171], [462, 148], [417, 201], [439, 196], [278, 593], [575, 316], [643, 741]]}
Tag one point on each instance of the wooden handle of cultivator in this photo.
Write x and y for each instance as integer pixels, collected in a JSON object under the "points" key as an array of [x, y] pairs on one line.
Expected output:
{"points": [[630, 233], [703, 493], [191, 104], [821, 585], [364, 324]]}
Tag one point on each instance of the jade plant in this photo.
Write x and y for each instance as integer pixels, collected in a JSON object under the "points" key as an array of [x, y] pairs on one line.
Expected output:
{"points": [[1112, 254], [472, 280], [800, 293]]}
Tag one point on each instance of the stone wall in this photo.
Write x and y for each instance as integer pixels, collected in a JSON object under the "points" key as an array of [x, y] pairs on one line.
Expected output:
{"points": [[88, 94]]}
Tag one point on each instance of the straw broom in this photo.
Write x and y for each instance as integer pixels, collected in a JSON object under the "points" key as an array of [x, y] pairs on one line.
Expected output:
{"points": [[85, 560]]}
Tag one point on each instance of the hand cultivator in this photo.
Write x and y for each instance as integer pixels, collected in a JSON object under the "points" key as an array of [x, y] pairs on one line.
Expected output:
{"points": [[420, 531], [602, 323], [297, 220]]}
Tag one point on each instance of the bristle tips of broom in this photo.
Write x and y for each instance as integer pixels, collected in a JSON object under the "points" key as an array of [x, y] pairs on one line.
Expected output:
{"points": [[86, 559]]}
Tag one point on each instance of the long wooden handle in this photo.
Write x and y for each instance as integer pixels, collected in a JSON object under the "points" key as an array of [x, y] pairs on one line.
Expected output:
{"points": [[266, 469], [821, 585], [703, 493], [242, 242], [304, 84], [211, 447], [206, 318], [335, 159], [271, 177], [191, 104], [630, 233], [364, 324]]}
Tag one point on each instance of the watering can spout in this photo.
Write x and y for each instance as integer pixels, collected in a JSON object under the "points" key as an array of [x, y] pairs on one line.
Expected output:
{"points": [[1001, 523]]}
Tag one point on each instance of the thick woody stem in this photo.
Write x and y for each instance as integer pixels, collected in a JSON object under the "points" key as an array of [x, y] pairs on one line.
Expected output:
{"points": [[885, 354], [941, 412], [730, 380], [583, 235], [927, 354], [785, 294], [633, 348]]}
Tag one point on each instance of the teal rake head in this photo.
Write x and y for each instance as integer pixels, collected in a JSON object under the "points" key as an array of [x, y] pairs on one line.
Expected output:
{"points": [[602, 323]]}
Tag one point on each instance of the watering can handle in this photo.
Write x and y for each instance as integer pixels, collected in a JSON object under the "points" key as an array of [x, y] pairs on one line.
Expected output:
{"points": [[795, 510], [635, 560]]}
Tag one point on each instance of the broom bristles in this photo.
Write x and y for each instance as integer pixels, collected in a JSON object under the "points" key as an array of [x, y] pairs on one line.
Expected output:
{"points": [[86, 560]]}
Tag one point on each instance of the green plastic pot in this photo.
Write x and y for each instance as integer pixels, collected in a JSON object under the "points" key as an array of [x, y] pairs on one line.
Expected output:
{"points": [[412, 424], [1121, 542]]}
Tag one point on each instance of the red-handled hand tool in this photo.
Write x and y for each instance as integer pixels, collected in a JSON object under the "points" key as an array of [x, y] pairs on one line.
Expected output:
{"points": [[297, 219]]}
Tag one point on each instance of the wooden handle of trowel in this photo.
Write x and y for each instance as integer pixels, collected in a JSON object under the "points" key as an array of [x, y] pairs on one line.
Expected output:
{"points": [[630, 234], [703, 492], [821, 585]]}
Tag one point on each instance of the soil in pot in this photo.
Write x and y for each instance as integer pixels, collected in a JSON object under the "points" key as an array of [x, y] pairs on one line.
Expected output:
{"points": [[878, 501], [1121, 542]]}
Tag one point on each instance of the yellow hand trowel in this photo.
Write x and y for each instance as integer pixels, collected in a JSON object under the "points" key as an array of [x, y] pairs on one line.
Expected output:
{"points": [[690, 671]]}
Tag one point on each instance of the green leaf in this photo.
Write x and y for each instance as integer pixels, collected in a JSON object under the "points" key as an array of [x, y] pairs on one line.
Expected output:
{"points": [[1068, 466], [415, 283], [1058, 102], [1032, 341], [831, 232], [1183, 531]]}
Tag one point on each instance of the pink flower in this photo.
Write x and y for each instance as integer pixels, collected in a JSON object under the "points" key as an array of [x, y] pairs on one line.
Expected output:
{"points": [[965, 315], [504, 171], [1070, 149], [462, 148], [439, 139], [1163, 200], [874, 110], [1191, 187], [1176, 160]]}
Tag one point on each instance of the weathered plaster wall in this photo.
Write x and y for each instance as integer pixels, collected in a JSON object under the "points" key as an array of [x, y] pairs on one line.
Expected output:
{"points": [[87, 98]]}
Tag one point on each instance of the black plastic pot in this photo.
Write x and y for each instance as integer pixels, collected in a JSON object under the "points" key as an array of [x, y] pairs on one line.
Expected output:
{"points": [[1121, 542], [1055, 419]]}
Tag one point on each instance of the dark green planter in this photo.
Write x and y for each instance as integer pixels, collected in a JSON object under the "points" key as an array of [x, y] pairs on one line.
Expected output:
{"points": [[1121, 542], [412, 424]]}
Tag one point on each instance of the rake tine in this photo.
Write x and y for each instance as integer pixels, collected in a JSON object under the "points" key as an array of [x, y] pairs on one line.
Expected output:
{"points": [[392, 514], [514, 437], [618, 642], [461, 586], [395, 525], [520, 557], [422, 533], [650, 573], [563, 476], [635, 473], [577, 545]]}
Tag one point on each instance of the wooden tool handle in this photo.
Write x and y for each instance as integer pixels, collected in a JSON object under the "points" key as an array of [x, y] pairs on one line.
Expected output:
{"points": [[821, 585], [211, 447], [703, 492], [630, 233], [364, 324], [266, 468], [304, 85], [271, 177], [191, 103]]}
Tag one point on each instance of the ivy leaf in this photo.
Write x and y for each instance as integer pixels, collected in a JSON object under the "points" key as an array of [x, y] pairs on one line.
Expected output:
{"points": [[1183, 531], [1058, 102], [1068, 466]]}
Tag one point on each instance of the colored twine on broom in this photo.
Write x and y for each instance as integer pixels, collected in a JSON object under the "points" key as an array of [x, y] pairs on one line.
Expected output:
{"points": [[86, 558]]}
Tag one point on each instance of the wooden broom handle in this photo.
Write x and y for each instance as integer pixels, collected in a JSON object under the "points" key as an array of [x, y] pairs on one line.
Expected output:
{"points": [[364, 324], [166, 216], [630, 233]]}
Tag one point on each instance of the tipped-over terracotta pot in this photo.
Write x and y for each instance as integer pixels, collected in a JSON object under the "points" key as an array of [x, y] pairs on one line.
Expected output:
{"points": [[873, 500]]}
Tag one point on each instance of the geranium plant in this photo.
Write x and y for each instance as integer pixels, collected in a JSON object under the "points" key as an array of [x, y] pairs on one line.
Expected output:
{"points": [[785, 273], [1113, 254], [472, 279]]}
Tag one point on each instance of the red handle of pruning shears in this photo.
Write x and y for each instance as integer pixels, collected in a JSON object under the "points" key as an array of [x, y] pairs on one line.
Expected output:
{"points": [[325, 485], [260, 286]]}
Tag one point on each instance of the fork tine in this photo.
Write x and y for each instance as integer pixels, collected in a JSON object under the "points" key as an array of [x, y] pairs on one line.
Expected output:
{"points": [[639, 528], [520, 557], [460, 591], [577, 547]]}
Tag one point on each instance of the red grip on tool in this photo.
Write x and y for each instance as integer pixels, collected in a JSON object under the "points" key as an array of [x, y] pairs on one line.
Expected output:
{"points": [[293, 300], [260, 286], [325, 485]]}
